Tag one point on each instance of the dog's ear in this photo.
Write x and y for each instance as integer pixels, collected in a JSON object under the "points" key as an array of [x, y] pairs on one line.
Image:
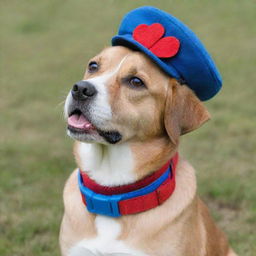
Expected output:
{"points": [[184, 112]]}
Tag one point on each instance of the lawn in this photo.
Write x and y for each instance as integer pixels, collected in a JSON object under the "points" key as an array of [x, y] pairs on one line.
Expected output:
{"points": [[45, 46]]}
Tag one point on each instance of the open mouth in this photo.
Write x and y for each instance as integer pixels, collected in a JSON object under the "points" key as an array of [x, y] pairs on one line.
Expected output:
{"points": [[79, 126], [77, 122]]}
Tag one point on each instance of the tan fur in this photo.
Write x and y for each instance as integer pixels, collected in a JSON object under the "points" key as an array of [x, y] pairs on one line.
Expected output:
{"points": [[151, 122], [184, 112], [73, 228]]}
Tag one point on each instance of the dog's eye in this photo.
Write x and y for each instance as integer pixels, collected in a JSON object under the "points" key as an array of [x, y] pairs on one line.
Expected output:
{"points": [[136, 82], [93, 67]]}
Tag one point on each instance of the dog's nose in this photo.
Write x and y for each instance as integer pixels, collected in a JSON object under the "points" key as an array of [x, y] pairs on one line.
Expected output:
{"points": [[83, 90]]}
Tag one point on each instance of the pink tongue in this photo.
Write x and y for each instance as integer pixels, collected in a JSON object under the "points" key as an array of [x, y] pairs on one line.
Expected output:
{"points": [[79, 121]]}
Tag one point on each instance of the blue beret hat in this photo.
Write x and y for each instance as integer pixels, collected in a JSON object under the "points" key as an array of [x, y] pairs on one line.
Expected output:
{"points": [[172, 46]]}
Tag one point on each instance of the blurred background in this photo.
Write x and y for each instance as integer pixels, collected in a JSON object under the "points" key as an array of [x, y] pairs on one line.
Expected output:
{"points": [[45, 46]]}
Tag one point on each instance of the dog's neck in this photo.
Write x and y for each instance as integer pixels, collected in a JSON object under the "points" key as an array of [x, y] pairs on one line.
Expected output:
{"points": [[114, 165], [108, 165]]}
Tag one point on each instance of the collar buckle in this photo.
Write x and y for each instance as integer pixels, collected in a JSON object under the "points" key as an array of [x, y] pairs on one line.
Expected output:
{"points": [[98, 203]]}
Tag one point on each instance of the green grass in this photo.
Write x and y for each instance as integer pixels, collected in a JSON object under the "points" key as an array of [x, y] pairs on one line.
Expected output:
{"points": [[44, 48]]}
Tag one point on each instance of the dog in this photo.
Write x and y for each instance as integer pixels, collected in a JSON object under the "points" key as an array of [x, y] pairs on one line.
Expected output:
{"points": [[127, 116], [132, 194]]}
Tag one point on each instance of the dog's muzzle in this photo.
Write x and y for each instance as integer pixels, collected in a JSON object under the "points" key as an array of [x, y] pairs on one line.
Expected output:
{"points": [[80, 120]]}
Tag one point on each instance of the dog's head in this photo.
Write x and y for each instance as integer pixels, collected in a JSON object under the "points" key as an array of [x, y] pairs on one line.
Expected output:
{"points": [[124, 96]]}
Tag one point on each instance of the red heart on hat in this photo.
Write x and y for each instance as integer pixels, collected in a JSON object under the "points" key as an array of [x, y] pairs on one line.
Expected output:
{"points": [[151, 37], [148, 35], [166, 47]]}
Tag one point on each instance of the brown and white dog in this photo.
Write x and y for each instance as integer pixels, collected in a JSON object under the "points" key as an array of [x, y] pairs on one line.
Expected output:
{"points": [[133, 115]]}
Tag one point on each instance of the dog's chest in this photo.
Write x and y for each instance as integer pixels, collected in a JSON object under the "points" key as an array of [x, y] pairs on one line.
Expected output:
{"points": [[106, 242]]}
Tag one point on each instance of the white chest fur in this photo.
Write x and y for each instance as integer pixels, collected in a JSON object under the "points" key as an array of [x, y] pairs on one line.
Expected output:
{"points": [[107, 165], [106, 242]]}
